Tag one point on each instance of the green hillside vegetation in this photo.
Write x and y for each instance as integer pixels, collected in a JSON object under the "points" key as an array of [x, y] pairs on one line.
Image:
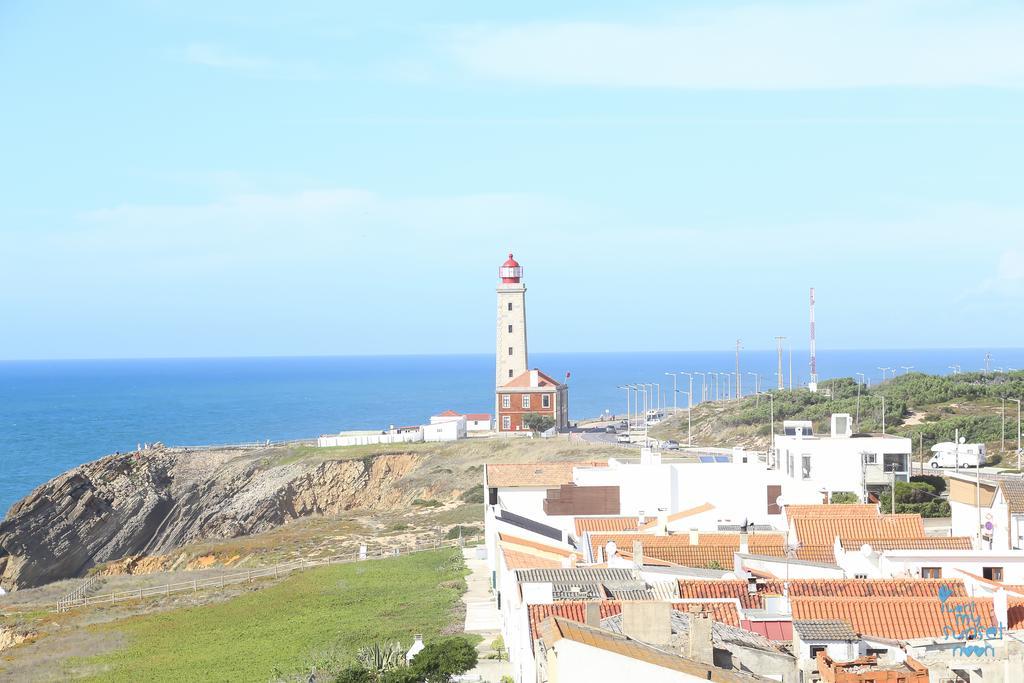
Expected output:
{"points": [[927, 408], [314, 619]]}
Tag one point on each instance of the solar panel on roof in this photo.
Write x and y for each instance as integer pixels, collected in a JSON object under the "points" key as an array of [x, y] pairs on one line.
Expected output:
{"points": [[721, 458], [706, 458]]}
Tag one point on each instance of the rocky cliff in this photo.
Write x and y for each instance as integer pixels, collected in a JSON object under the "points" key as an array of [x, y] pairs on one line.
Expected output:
{"points": [[152, 502]]}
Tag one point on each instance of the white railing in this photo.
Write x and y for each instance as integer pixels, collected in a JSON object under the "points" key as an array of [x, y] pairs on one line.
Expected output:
{"points": [[78, 598]]}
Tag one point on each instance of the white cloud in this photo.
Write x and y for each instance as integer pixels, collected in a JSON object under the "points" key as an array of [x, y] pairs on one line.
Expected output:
{"points": [[218, 57], [933, 43]]}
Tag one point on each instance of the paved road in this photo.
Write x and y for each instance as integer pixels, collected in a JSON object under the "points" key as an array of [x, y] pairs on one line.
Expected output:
{"points": [[483, 618]]}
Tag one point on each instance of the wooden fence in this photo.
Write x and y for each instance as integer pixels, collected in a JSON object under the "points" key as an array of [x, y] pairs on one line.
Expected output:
{"points": [[79, 597]]}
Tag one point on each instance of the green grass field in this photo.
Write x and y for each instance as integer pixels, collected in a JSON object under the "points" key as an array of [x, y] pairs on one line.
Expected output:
{"points": [[281, 629]]}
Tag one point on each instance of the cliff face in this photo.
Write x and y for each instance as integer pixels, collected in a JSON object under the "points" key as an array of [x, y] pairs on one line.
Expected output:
{"points": [[151, 503]]}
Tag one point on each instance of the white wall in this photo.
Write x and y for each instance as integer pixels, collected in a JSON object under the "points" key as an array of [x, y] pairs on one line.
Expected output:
{"points": [[908, 563], [368, 438], [572, 662], [837, 463], [478, 425], [449, 430]]}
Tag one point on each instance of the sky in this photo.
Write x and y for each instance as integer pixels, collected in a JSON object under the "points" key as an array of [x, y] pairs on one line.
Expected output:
{"points": [[318, 178]]}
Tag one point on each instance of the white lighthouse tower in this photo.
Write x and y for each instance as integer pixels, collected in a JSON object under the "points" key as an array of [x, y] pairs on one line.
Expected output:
{"points": [[511, 353], [525, 397]]}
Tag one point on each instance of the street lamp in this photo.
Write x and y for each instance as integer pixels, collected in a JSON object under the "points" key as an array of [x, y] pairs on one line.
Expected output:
{"points": [[728, 385], [907, 368], [657, 397], [690, 392], [954, 368], [716, 383], [675, 407], [884, 370], [703, 386]]}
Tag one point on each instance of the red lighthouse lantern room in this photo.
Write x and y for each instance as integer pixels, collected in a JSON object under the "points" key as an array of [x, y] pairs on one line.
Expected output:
{"points": [[510, 271]]}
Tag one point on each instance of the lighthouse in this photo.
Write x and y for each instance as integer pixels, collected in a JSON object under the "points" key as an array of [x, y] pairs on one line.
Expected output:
{"points": [[511, 354], [522, 394]]}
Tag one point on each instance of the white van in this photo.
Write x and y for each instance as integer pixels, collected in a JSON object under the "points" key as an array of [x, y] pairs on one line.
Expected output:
{"points": [[948, 454]]}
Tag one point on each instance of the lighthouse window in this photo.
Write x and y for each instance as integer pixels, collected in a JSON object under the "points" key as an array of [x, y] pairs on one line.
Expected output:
{"points": [[510, 305], [526, 400], [545, 400], [510, 350], [509, 328], [506, 401]]}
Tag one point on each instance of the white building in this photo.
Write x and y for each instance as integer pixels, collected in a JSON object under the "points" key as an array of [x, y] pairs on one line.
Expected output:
{"points": [[840, 461], [445, 430], [1000, 524], [371, 438], [478, 422]]}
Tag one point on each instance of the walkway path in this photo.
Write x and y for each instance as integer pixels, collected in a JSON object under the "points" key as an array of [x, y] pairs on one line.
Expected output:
{"points": [[482, 617]]}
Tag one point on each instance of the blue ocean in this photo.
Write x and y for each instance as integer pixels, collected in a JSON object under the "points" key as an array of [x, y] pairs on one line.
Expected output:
{"points": [[58, 414]]}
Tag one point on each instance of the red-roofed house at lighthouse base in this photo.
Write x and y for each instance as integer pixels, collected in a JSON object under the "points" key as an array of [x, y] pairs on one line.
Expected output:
{"points": [[519, 390]]}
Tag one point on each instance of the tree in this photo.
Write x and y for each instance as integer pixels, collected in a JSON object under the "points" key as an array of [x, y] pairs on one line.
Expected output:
{"points": [[537, 422], [440, 660]]}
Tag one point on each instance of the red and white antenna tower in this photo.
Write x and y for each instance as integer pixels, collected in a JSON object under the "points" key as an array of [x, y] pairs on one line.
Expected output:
{"points": [[813, 384]]}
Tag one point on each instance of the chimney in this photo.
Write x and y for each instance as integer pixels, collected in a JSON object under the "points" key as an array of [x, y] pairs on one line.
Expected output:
{"points": [[694, 537], [593, 615], [744, 542], [638, 554], [417, 645], [662, 529], [534, 378], [699, 646], [641, 519], [647, 621]]}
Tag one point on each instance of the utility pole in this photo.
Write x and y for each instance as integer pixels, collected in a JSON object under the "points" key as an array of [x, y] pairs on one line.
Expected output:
{"points": [[739, 380], [778, 344], [689, 394], [988, 361], [883, 415], [1017, 400], [791, 366], [1002, 443], [861, 375]]}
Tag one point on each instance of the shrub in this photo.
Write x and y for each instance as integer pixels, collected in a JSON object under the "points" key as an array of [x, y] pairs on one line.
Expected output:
{"points": [[844, 497], [399, 527], [937, 483], [463, 531], [439, 661], [381, 657], [427, 503], [473, 495]]}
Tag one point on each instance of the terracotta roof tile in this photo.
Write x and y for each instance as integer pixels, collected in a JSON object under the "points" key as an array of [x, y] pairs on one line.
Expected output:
{"points": [[449, 413], [535, 545], [852, 510], [515, 559], [926, 543], [1015, 614], [1013, 492], [598, 524], [897, 618], [683, 514], [824, 530], [838, 588], [712, 549], [534, 474], [523, 380]]}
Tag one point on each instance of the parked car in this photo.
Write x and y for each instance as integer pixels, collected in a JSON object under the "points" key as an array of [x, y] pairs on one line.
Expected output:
{"points": [[610, 429], [624, 438], [670, 445]]}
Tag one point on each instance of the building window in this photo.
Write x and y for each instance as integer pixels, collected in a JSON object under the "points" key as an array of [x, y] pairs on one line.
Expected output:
{"points": [[506, 401], [789, 465], [931, 572], [815, 649], [870, 458], [545, 400], [510, 350], [510, 305], [509, 373], [894, 462], [806, 472], [877, 651], [506, 422], [860, 576], [992, 573], [509, 328], [526, 400]]}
